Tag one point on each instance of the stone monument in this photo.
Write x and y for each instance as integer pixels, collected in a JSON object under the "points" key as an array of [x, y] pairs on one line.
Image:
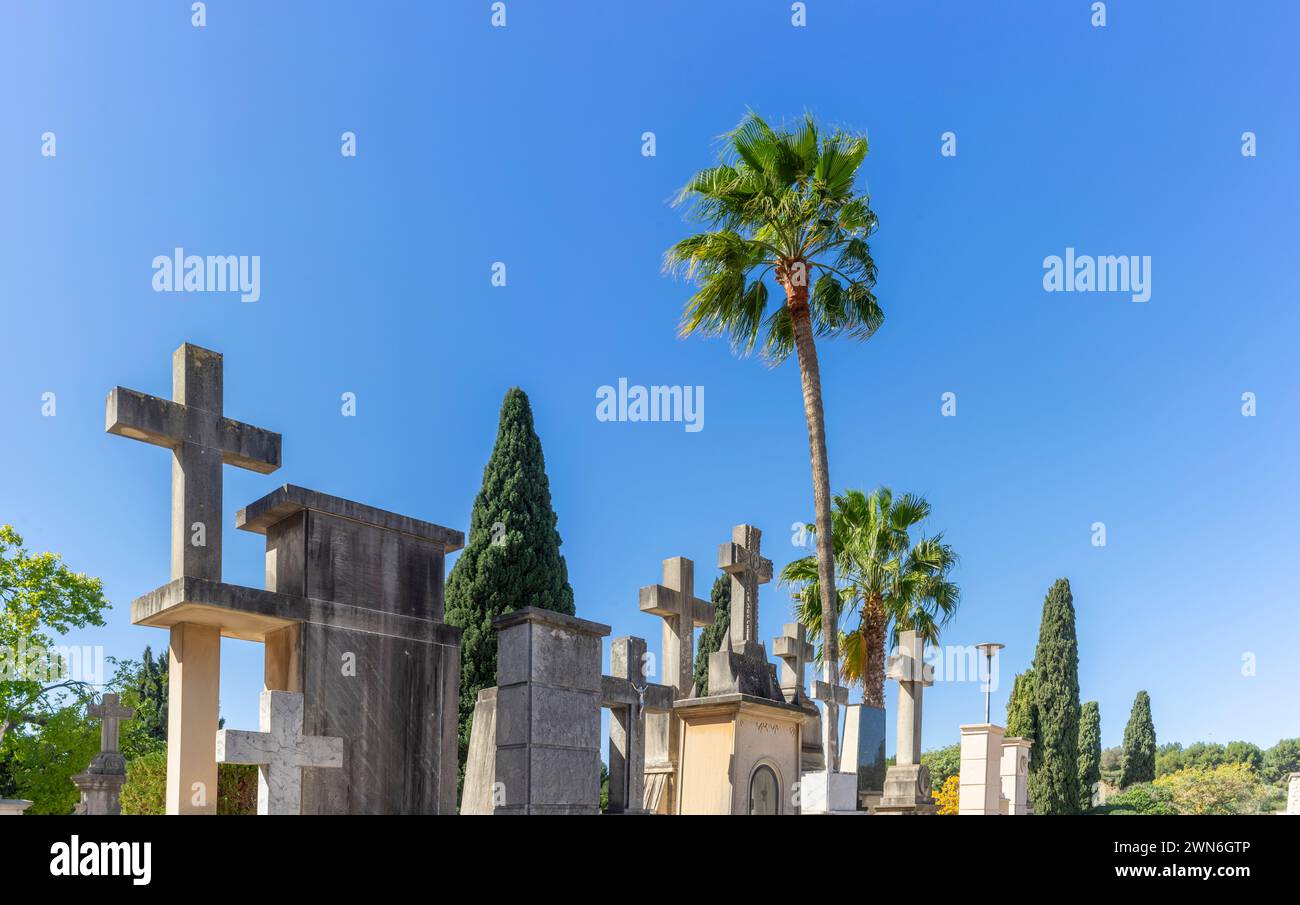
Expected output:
{"points": [[981, 774], [1015, 775], [101, 783], [629, 697], [281, 752], [13, 807], [864, 752], [1293, 794], [907, 783], [351, 618], [795, 652]]}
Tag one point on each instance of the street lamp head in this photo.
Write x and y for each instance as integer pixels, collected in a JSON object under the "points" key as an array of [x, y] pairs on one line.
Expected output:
{"points": [[989, 648]]}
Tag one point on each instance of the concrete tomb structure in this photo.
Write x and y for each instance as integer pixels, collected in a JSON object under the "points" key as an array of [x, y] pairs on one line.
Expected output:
{"points": [[795, 652], [1293, 794], [281, 752], [864, 752], [830, 790], [907, 783], [352, 617], [101, 783], [1015, 775], [981, 769], [13, 807], [740, 748], [675, 603]]}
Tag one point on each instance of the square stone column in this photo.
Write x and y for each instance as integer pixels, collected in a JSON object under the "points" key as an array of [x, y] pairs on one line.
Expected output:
{"points": [[981, 780], [1015, 774], [193, 677], [548, 713], [1293, 794]]}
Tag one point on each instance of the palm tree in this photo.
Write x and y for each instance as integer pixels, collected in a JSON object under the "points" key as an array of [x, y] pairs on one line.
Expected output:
{"points": [[781, 203], [886, 579]]}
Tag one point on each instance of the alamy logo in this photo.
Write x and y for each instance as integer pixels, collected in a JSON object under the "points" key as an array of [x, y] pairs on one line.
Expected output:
{"points": [[1105, 273], [214, 273], [656, 403], [103, 859]]}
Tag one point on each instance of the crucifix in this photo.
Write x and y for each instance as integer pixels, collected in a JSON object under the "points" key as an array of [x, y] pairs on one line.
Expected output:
{"points": [[280, 750], [675, 603], [110, 714], [748, 569], [201, 440], [834, 697], [629, 698], [794, 651]]}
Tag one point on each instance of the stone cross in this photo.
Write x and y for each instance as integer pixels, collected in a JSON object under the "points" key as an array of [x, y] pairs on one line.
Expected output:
{"points": [[908, 668], [191, 425], [748, 569], [110, 713], [629, 698], [201, 440], [675, 603], [280, 750], [794, 651], [834, 697]]}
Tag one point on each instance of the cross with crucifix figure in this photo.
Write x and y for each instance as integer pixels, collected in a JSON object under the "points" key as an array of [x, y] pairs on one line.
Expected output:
{"points": [[748, 569], [281, 752], [201, 441], [629, 697], [834, 697], [110, 714]]}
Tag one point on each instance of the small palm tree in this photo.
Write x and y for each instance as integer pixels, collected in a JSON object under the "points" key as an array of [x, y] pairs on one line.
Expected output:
{"points": [[781, 204], [890, 583]]}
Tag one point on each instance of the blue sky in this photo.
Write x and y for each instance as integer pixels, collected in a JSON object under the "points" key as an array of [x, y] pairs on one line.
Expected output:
{"points": [[523, 145]]}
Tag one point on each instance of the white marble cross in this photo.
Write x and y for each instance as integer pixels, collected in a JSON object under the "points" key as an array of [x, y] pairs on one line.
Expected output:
{"points": [[748, 569], [834, 697], [794, 651], [675, 602], [280, 750], [110, 713], [908, 668]]}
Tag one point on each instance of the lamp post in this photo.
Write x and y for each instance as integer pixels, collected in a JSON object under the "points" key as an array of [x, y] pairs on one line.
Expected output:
{"points": [[988, 648]]}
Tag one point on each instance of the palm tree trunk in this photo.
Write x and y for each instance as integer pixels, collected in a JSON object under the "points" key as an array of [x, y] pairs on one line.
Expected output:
{"points": [[810, 374], [873, 644]]}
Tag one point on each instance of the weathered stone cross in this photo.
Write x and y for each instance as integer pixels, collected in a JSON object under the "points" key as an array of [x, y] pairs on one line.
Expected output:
{"points": [[675, 602], [629, 698], [741, 560], [794, 651], [280, 750], [110, 713], [201, 440], [908, 668], [834, 697]]}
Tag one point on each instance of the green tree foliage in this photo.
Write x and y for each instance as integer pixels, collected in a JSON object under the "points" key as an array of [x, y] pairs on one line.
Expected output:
{"points": [[1142, 799], [512, 559], [1022, 712], [145, 789], [1139, 743], [887, 581], [1281, 761], [942, 763], [1089, 752], [712, 635], [1054, 783], [1226, 789]]}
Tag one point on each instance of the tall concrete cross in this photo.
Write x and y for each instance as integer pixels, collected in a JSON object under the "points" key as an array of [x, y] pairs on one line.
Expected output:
{"points": [[201, 440], [908, 668], [191, 425], [794, 651], [834, 697], [748, 569], [280, 750], [675, 603], [110, 714]]}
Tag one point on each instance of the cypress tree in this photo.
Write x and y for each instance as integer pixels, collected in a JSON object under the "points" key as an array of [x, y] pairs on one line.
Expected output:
{"points": [[151, 709], [1054, 784], [712, 635], [1139, 743], [1089, 752], [512, 559], [1022, 715]]}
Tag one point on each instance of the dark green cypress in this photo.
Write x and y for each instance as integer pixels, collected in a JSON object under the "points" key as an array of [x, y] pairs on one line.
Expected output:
{"points": [[1054, 783], [151, 710], [512, 559], [1022, 713], [1139, 743], [1089, 752], [712, 635]]}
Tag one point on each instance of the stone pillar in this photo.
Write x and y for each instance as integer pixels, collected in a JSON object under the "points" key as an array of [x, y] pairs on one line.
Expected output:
{"points": [[548, 713], [981, 781], [193, 678], [13, 806], [1293, 794], [479, 795], [1015, 774]]}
